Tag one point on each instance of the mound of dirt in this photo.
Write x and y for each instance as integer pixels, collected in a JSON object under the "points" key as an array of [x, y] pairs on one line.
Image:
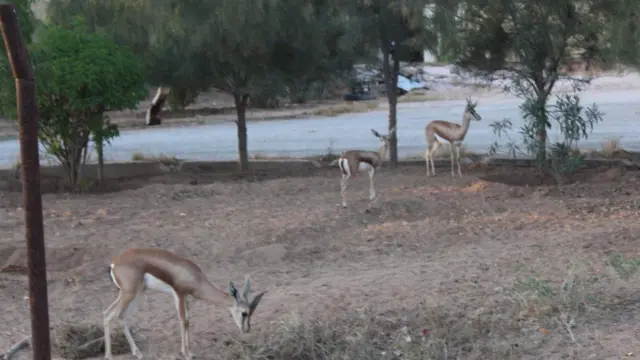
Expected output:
{"points": [[269, 254], [86, 341], [14, 260], [608, 175]]}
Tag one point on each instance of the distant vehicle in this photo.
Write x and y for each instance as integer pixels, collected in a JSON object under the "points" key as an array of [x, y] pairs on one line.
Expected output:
{"points": [[366, 81], [362, 86]]}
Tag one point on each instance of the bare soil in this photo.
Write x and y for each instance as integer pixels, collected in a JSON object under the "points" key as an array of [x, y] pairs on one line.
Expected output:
{"points": [[483, 267]]}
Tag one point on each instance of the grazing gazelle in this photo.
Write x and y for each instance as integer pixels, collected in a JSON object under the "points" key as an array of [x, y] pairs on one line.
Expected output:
{"points": [[352, 162], [451, 132], [138, 269]]}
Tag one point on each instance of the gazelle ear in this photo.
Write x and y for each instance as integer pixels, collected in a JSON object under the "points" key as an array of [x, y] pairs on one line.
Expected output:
{"points": [[233, 291], [255, 302], [246, 288], [393, 129], [375, 133]]}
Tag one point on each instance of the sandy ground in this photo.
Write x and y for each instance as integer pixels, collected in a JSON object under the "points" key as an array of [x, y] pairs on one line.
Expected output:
{"points": [[458, 244]]}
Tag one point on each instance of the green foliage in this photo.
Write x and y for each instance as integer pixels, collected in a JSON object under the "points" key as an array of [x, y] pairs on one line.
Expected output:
{"points": [[624, 266], [27, 23], [26, 17], [530, 44], [319, 37], [574, 121], [80, 76]]}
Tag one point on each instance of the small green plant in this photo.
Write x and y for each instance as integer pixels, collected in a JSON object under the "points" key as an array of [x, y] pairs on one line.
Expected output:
{"points": [[501, 129], [575, 123], [623, 266], [329, 155], [551, 306], [533, 286]]}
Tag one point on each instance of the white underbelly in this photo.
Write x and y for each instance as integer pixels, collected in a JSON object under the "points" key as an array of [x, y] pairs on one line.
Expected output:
{"points": [[362, 166], [150, 282], [445, 141], [153, 283]]}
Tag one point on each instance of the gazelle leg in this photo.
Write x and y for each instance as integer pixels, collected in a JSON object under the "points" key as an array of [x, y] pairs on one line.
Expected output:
{"points": [[343, 189], [458, 159], [181, 307], [433, 148], [452, 159], [127, 332], [372, 189], [433, 168], [112, 312], [426, 159], [108, 316]]}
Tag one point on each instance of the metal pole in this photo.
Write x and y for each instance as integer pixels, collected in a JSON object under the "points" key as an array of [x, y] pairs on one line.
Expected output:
{"points": [[30, 161]]}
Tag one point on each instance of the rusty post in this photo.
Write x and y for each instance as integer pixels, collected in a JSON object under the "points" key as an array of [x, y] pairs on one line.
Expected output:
{"points": [[30, 160]]}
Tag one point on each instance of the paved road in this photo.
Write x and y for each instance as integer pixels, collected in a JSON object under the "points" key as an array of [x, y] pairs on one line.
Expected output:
{"points": [[302, 137]]}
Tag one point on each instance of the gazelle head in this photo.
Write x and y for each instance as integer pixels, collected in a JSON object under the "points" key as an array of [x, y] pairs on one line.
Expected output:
{"points": [[384, 140], [243, 306], [471, 109]]}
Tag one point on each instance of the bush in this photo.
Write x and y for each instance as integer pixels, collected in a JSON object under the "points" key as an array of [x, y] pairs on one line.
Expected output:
{"points": [[80, 76]]}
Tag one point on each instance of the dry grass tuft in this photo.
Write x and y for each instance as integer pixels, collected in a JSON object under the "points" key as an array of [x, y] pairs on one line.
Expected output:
{"points": [[162, 159], [346, 108], [512, 325], [444, 152], [421, 95], [412, 333], [610, 147], [77, 342]]}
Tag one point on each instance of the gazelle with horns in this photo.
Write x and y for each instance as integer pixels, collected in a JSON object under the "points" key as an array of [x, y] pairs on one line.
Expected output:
{"points": [[352, 162], [136, 270], [451, 132]]}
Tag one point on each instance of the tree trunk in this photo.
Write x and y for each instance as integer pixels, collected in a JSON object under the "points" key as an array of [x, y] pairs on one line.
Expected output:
{"points": [[241, 109], [541, 137], [542, 120], [153, 113], [391, 84], [100, 152]]}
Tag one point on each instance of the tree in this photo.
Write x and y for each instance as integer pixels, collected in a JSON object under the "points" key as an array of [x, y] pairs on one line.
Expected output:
{"points": [[246, 48], [27, 22], [255, 46], [81, 76], [316, 45], [442, 35], [396, 27], [157, 32], [532, 45]]}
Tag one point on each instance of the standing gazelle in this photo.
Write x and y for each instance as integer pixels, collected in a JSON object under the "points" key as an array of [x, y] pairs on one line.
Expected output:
{"points": [[451, 132], [136, 269], [352, 162]]}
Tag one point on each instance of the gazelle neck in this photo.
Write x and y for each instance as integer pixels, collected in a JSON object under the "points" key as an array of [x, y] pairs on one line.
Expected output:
{"points": [[466, 121], [211, 294], [382, 153]]}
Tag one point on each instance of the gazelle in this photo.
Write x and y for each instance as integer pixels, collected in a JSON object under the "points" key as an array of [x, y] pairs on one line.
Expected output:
{"points": [[138, 269], [352, 162], [451, 132]]}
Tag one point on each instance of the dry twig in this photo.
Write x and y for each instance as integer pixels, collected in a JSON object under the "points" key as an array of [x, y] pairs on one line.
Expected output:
{"points": [[15, 348]]}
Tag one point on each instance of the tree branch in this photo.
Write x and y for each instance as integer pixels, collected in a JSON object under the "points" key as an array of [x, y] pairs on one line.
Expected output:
{"points": [[15, 348]]}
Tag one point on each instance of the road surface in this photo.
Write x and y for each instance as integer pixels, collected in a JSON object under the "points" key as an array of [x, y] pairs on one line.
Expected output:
{"points": [[314, 136]]}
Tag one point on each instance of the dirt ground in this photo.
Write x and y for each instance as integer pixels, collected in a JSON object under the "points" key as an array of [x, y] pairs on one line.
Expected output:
{"points": [[469, 268]]}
